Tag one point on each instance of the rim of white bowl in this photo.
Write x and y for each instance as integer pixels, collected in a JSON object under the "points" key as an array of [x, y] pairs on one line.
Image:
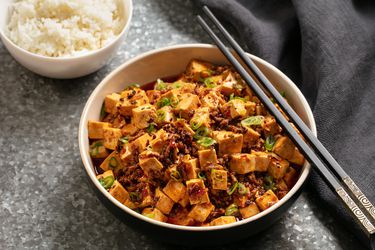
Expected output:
{"points": [[83, 55], [89, 169]]}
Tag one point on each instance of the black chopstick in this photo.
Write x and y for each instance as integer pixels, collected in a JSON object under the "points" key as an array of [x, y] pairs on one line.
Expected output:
{"points": [[301, 126], [330, 179]]}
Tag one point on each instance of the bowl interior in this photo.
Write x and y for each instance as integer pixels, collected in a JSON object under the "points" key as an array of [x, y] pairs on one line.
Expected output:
{"points": [[169, 62]]}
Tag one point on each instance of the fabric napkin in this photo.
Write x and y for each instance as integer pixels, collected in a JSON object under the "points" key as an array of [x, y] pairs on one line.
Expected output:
{"points": [[327, 47]]}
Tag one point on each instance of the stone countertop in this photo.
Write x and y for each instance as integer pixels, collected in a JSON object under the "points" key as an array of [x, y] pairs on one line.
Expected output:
{"points": [[45, 199]]}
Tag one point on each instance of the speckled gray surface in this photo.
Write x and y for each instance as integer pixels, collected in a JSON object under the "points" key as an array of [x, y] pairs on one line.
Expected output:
{"points": [[45, 200]]}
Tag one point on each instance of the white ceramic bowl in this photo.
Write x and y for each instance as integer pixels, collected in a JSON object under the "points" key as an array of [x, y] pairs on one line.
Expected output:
{"points": [[171, 61], [65, 67]]}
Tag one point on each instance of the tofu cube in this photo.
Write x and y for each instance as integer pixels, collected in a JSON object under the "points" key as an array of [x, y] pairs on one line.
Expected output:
{"points": [[158, 143], [202, 117], [111, 136], [154, 213], [142, 115], [96, 129], [185, 200], [150, 165], [129, 129], [267, 200], [250, 108], [97, 150], [219, 179], [190, 167], [197, 191], [164, 203], [235, 108], [250, 137], [200, 212], [270, 126], [141, 142], [262, 161], [249, 211], [175, 190], [207, 157], [153, 95], [285, 148], [227, 86], [111, 102], [147, 199], [131, 99], [196, 67], [180, 123], [165, 115], [212, 100], [291, 177], [112, 162], [277, 168], [187, 104], [242, 163], [119, 192], [222, 220], [229, 142]]}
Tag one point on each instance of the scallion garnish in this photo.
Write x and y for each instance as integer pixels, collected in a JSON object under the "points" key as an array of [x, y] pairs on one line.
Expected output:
{"points": [[135, 196], [150, 128], [201, 132], [269, 143], [175, 175], [163, 102], [102, 112], [242, 189], [201, 175], [195, 124], [252, 120], [124, 140], [107, 182], [231, 210], [269, 183], [161, 114], [283, 94], [206, 141], [113, 162], [151, 216], [209, 83], [176, 85], [233, 188], [160, 85], [233, 97]]}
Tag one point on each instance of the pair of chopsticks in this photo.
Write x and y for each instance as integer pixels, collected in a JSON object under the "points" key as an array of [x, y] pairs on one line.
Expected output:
{"points": [[337, 179]]}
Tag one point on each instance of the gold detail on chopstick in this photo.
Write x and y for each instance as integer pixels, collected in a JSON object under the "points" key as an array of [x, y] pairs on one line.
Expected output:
{"points": [[356, 211], [360, 196]]}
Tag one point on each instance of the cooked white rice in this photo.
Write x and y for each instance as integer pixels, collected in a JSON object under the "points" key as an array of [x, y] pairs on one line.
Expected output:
{"points": [[60, 28]]}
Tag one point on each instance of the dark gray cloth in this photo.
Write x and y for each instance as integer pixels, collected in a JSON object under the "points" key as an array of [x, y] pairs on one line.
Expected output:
{"points": [[328, 48]]}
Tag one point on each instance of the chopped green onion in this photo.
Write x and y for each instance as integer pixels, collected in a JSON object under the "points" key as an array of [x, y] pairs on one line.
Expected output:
{"points": [[160, 85], [252, 120], [113, 162], [102, 112], [107, 182], [269, 183], [174, 101], [134, 196], [201, 175], [176, 85], [269, 143], [215, 176], [150, 128], [206, 141], [283, 94], [209, 83], [201, 132], [175, 175], [231, 210], [195, 124], [151, 216], [233, 97], [242, 189], [124, 140], [233, 188], [161, 114], [163, 102]]}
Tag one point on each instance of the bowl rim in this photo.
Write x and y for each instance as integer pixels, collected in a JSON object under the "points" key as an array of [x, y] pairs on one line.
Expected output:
{"points": [[83, 55], [86, 159]]}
